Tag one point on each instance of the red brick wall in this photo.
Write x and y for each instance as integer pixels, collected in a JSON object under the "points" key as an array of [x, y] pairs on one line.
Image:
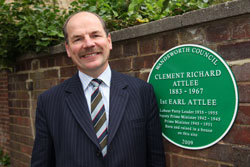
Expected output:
{"points": [[4, 112], [31, 78], [230, 37]]}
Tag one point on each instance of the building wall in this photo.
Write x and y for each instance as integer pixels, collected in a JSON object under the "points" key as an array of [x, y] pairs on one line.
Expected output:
{"points": [[4, 112], [224, 29]]}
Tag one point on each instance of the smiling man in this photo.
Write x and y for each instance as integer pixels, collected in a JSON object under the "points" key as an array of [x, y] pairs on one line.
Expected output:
{"points": [[88, 44], [99, 117]]}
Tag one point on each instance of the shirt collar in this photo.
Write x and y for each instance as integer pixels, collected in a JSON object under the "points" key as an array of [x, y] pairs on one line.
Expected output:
{"points": [[105, 77]]}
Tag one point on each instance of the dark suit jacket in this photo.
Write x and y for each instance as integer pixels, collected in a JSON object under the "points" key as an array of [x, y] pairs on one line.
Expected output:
{"points": [[65, 136]]}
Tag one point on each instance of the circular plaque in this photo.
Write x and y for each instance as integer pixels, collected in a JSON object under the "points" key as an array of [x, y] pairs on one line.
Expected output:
{"points": [[197, 96]]}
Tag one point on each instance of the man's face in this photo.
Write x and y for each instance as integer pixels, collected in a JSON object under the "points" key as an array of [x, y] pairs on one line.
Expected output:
{"points": [[88, 45]]}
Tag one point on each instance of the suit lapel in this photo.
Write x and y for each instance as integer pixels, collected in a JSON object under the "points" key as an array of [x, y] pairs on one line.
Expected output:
{"points": [[118, 102], [78, 106]]}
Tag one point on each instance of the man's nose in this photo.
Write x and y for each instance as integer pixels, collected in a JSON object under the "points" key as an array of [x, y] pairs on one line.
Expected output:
{"points": [[88, 42]]}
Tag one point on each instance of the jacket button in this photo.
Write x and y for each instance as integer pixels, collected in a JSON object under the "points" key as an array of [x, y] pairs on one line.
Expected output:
{"points": [[98, 153]]}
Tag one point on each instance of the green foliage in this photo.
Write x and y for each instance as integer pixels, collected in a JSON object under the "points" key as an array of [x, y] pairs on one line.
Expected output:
{"points": [[120, 14], [28, 25], [4, 159], [34, 25]]}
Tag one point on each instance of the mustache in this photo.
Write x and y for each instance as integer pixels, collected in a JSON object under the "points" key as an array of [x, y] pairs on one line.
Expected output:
{"points": [[89, 51]]}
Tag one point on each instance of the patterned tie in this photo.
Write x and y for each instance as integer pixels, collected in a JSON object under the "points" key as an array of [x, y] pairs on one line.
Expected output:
{"points": [[98, 116]]}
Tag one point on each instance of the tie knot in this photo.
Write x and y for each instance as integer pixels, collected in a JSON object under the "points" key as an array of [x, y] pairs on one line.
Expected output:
{"points": [[96, 82]]}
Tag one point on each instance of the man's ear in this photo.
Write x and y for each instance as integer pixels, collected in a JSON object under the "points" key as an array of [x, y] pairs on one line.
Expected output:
{"points": [[110, 41], [67, 49]]}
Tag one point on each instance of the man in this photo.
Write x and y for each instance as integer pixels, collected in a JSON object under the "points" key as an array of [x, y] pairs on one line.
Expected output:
{"points": [[110, 121]]}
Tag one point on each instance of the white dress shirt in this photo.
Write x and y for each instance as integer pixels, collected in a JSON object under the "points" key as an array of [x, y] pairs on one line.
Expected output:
{"points": [[104, 88]]}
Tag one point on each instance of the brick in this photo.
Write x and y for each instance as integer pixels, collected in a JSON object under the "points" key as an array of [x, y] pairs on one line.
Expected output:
{"points": [[243, 116], [217, 152], [121, 65], [4, 72], [20, 130], [168, 159], [22, 95], [45, 84], [130, 48], [24, 103], [244, 92], [138, 63], [20, 156], [35, 64], [28, 64], [241, 28], [169, 147], [22, 121], [242, 72], [240, 157], [218, 31], [11, 78], [193, 35], [234, 51], [11, 95], [21, 66], [3, 85], [247, 27], [37, 84], [4, 136], [37, 76], [11, 86], [239, 31], [179, 161], [16, 163], [14, 146], [13, 103], [67, 61], [3, 95], [26, 149], [19, 112], [21, 86], [223, 165], [147, 45], [116, 52], [142, 62], [68, 71], [13, 111], [22, 139], [167, 40], [51, 62], [59, 60], [49, 83], [20, 77], [238, 135], [44, 63], [51, 74]]}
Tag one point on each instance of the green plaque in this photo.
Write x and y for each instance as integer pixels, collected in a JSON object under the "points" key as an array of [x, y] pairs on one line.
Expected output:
{"points": [[197, 96]]}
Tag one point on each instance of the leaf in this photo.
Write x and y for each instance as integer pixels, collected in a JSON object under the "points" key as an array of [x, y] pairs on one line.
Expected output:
{"points": [[34, 25], [92, 9], [53, 33]]}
